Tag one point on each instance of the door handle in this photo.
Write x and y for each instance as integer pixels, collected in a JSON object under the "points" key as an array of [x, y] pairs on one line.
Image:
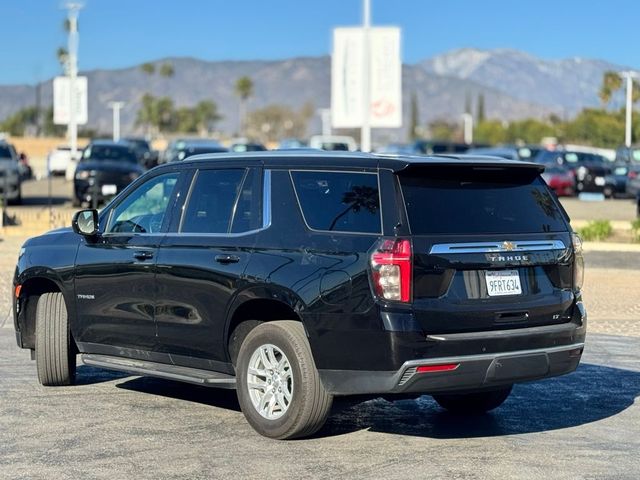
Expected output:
{"points": [[143, 255], [226, 259]]}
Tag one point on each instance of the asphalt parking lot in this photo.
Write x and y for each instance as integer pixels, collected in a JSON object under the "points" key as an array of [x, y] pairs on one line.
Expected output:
{"points": [[584, 425]]}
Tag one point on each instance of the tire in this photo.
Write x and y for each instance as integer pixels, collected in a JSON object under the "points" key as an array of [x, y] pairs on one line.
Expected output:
{"points": [[473, 403], [55, 353], [309, 403]]}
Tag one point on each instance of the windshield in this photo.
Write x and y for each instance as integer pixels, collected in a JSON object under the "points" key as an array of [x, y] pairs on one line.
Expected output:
{"points": [[5, 152], [108, 153]]}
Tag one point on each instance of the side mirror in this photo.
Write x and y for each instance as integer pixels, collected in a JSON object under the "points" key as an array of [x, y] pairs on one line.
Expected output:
{"points": [[85, 222]]}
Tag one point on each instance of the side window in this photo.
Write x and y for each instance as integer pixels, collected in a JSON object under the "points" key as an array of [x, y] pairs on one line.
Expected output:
{"points": [[211, 202], [339, 201], [144, 209], [248, 212]]}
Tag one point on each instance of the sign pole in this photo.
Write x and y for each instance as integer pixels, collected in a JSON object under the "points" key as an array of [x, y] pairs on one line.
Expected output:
{"points": [[365, 131], [73, 8]]}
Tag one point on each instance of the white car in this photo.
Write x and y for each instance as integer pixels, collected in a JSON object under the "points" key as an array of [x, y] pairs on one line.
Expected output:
{"points": [[333, 143], [59, 160]]}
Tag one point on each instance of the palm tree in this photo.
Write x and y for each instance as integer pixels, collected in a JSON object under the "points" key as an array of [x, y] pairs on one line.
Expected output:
{"points": [[148, 68], [167, 70], [243, 89], [611, 83]]}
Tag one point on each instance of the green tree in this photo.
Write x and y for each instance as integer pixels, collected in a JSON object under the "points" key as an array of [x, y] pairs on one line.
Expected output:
{"points": [[490, 131], [414, 120], [243, 89], [166, 70], [148, 68], [275, 122], [480, 113], [17, 123], [206, 115], [443, 130]]}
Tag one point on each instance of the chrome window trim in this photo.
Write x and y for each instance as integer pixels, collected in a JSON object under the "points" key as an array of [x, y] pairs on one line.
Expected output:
{"points": [[266, 213], [333, 232], [501, 247]]}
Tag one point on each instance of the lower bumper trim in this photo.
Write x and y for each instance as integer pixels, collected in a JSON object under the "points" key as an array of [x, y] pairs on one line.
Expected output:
{"points": [[474, 372]]}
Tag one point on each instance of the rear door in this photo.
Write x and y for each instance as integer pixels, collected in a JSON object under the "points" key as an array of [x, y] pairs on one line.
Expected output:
{"points": [[491, 249], [200, 264]]}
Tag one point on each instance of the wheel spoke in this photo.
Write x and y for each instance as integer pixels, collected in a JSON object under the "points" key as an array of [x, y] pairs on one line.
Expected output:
{"points": [[260, 386], [263, 356], [257, 373]]}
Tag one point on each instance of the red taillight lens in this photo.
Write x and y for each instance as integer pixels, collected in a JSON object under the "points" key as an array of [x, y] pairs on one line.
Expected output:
{"points": [[632, 174], [391, 269], [446, 367]]}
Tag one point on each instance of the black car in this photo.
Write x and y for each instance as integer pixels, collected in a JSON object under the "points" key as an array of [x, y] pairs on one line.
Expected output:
{"points": [[147, 157], [295, 277], [104, 170], [181, 149], [615, 183], [589, 169]]}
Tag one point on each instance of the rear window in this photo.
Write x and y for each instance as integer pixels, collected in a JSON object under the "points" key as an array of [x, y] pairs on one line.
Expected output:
{"points": [[466, 201], [339, 201]]}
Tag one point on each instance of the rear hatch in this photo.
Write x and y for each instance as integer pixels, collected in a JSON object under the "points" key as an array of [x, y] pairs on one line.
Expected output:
{"points": [[491, 248]]}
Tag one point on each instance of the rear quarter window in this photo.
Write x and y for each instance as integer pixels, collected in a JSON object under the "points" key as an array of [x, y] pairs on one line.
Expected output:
{"points": [[339, 201], [460, 202]]}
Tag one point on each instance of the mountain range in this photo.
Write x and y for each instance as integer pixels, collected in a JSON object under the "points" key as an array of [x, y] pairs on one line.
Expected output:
{"points": [[514, 85]]}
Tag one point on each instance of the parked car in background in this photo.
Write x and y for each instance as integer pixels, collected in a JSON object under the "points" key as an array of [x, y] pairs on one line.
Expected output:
{"points": [[397, 149], [291, 144], [431, 147], [247, 146], [561, 180], [590, 169], [628, 154], [502, 152], [58, 160], [510, 152], [147, 157], [180, 148], [10, 178], [189, 149], [333, 143], [615, 183], [104, 170]]}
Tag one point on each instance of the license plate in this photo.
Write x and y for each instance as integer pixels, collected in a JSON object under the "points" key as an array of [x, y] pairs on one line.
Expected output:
{"points": [[600, 181], [109, 189], [503, 282]]}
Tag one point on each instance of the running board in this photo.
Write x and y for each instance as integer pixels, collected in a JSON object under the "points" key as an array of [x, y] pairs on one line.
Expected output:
{"points": [[161, 370]]}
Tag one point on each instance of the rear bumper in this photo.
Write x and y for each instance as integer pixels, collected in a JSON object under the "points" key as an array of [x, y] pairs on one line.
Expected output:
{"points": [[472, 372], [478, 360]]}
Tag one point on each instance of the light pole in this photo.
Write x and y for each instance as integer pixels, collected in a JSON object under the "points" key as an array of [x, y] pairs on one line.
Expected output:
{"points": [[116, 107], [628, 75], [365, 131], [72, 18], [467, 120]]}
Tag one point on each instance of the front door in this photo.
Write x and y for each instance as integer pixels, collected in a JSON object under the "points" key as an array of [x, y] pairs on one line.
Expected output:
{"points": [[115, 272]]}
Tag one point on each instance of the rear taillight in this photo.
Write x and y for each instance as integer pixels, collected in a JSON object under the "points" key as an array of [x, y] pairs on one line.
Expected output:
{"points": [[578, 262], [632, 174], [391, 269]]}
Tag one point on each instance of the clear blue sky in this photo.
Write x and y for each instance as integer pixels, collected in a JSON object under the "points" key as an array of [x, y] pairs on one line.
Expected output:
{"points": [[119, 33]]}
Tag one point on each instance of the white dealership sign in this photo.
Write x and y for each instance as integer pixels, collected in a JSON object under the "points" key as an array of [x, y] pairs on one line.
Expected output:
{"points": [[347, 77], [62, 103]]}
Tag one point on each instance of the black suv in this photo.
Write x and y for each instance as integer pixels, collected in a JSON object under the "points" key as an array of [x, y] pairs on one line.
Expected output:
{"points": [[297, 276]]}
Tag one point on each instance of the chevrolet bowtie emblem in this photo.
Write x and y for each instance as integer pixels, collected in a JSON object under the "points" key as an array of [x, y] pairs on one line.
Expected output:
{"points": [[508, 246]]}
